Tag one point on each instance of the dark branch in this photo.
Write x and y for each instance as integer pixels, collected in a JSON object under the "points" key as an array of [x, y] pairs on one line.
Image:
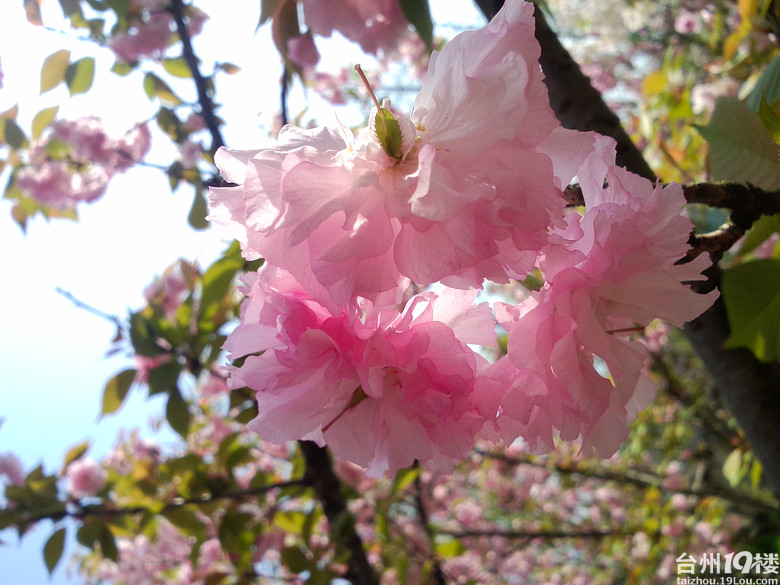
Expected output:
{"points": [[327, 487], [80, 512], [437, 574], [176, 9], [636, 478], [545, 534]]}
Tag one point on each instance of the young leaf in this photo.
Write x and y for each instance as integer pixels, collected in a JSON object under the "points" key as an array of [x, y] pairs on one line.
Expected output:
{"points": [[198, 211], [52, 550], [177, 413], [388, 132], [177, 67], [53, 69], [116, 390], [79, 75], [42, 120], [751, 292], [73, 454], [12, 134], [767, 86], [770, 119], [741, 149], [156, 87]]}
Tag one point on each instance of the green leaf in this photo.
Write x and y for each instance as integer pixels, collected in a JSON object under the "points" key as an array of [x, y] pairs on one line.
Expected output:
{"points": [[53, 549], [418, 13], [42, 120], [741, 149], [79, 75], [122, 68], [108, 544], [186, 520], [157, 88], [218, 277], [751, 292], [295, 559], [164, 378], [142, 337], [73, 454], [404, 478], [177, 67], [770, 119], [388, 132], [290, 521], [53, 69], [12, 134], [759, 232], [198, 211], [116, 390], [448, 547], [732, 468], [767, 86], [177, 413]]}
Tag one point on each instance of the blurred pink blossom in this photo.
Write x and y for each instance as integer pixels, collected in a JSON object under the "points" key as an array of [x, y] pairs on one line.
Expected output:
{"points": [[374, 24], [302, 51], [11, 468], [85, 478], [91, 158]]}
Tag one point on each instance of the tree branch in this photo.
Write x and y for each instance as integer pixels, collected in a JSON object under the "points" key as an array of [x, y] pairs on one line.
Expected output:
{"points": [[176, 9], [327, 487], [81, 512]]}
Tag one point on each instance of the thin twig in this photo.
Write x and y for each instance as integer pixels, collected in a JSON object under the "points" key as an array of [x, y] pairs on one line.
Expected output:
{"points": [[207, 108]]}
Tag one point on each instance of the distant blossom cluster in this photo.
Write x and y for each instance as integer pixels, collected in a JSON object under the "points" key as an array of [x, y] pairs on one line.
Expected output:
{"points": [[151, 30], [76, 159], [468, 188]]}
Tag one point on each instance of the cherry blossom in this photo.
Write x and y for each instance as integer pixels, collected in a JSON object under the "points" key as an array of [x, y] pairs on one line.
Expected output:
{"points": [[85, 478], [381, 387], [75, 161], [374, 24], [11, 468], [469, 195], [609, 273]]}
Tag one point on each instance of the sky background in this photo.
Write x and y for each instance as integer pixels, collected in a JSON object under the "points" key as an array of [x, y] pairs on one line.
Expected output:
{"points": [[53, 363]]}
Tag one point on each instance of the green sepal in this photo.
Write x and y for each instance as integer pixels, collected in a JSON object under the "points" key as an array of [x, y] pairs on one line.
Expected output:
{"points": [[388, 132]]}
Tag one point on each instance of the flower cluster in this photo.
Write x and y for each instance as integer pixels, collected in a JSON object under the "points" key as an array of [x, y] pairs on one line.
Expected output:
{"points": [[75, 161], [151, 30], [468, 188]]}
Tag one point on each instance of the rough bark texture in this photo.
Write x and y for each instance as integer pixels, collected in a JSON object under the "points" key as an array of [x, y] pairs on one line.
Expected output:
{"points": [[749, 388]]}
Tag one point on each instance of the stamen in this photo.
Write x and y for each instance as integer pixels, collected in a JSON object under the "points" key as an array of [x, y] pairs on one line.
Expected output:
{"points": [[359, 69], [637, 329]]}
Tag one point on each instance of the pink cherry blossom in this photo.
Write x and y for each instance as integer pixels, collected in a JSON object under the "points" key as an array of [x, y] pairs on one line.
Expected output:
{"points": [[11, 468], [571, 364], [374, 24], [470, 195], [146, 39], [75, 161], [85, 478], [381, 387], [302, 51]]}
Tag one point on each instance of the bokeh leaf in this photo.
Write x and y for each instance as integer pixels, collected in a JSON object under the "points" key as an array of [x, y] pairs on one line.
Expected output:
{"points": [[53, 69], [741, 149], [751, 292]]}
